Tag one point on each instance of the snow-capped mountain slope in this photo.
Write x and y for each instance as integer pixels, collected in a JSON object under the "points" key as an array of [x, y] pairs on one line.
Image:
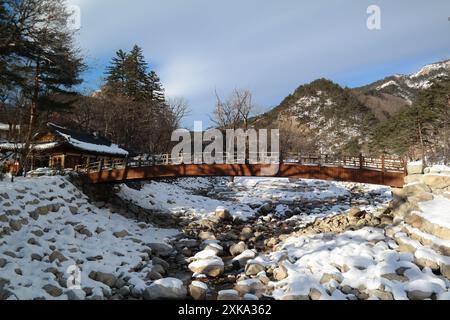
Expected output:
{"points": [[407, 87], [322, 116]]}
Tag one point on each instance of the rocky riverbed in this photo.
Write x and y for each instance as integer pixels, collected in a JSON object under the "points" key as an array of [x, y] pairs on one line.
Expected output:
{"points": [[206, 239]]}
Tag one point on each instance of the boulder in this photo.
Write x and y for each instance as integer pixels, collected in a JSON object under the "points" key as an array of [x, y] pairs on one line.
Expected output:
{"points": [[56, 255], [250, 297], [161, 249], [244, 257], [416, 188], [395, 277], [327, 277], [416, 178], [206, 235], [218, 249], [420, 197], [38, 233], [35, 257], [252, 269], [424, 262], [265, 208], [161, 262], [53, 290], [293, 296], [44, 210], [158, 269], [105, 278], [419, 295], [121, 234], [315, 294], [76, 294], [5, 294], [435, 181], [73, 210], [15, 225], [382, 295], [246, 233], [445, 270], [238, 248], [12, 212], [223, 214], [86, 232], [355, 213], [228, 295], [252, 286], [414, 167], [125, 291], [167, 288], [153, 275], [212, 267], [280, 273], [198, 290]]}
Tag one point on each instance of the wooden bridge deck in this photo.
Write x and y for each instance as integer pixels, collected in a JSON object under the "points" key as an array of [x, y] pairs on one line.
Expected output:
{"points": [[119, 172]]}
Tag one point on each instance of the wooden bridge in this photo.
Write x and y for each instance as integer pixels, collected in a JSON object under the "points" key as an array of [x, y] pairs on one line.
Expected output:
{"points": [[383, 171]]}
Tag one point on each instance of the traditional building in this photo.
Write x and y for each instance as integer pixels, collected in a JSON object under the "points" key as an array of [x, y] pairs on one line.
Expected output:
{"points": [[8, 131], [62, 148]]}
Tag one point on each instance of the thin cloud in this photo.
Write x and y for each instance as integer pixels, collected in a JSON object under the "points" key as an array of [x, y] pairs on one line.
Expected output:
{"points": [[269, 47]]}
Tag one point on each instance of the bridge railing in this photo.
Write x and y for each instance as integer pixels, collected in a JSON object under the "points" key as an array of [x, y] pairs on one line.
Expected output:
{"points": [[381, 163], [360, 162]]}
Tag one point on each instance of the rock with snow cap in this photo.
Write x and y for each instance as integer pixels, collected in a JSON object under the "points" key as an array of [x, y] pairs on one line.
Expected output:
{"points": [[167, 288]]}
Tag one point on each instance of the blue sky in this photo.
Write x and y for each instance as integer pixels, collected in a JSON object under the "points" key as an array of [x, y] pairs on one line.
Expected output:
{"points": [[269, 47]]}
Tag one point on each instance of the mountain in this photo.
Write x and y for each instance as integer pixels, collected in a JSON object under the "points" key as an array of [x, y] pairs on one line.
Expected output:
{"points": [[324, 117], [388, 96], [320, 117]]}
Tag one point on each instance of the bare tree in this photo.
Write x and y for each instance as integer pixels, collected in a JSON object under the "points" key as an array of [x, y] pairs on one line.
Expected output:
{"points": [[179, 108], [235, 111]]}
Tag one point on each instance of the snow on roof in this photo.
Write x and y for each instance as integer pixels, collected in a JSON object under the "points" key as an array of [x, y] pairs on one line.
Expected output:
{"points": [[88, 142], [18, 146], [6, 127], [78, 140], [112, 149]]}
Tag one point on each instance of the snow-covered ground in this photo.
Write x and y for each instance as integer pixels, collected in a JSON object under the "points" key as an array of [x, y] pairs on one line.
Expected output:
{"points": [[68, 232], [436, 211], [361, 263], [179, 197], [245, 195], [48, 228]]}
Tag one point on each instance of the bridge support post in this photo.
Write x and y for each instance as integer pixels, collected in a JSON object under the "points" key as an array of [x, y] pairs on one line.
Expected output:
{"points": [[100, 165], [361, 161]]}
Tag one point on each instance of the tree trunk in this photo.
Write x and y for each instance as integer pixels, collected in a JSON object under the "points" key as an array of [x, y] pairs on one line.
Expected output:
{"points": [[422, 144], [32, 120]]}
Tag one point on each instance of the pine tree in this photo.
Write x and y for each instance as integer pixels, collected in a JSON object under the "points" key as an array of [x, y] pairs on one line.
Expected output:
{"points": [[136, 69], [128, 74], [420, 131], [42, 59], [116, 74], [154, 87]]}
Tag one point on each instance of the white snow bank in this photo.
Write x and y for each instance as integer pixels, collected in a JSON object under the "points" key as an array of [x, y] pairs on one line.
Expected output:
{"points": [[436, 211], [362, 259], [179, 198], [79, 231]]}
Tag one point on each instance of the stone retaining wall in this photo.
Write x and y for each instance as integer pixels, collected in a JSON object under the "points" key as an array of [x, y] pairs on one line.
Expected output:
{"points": [[420, 185]]}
